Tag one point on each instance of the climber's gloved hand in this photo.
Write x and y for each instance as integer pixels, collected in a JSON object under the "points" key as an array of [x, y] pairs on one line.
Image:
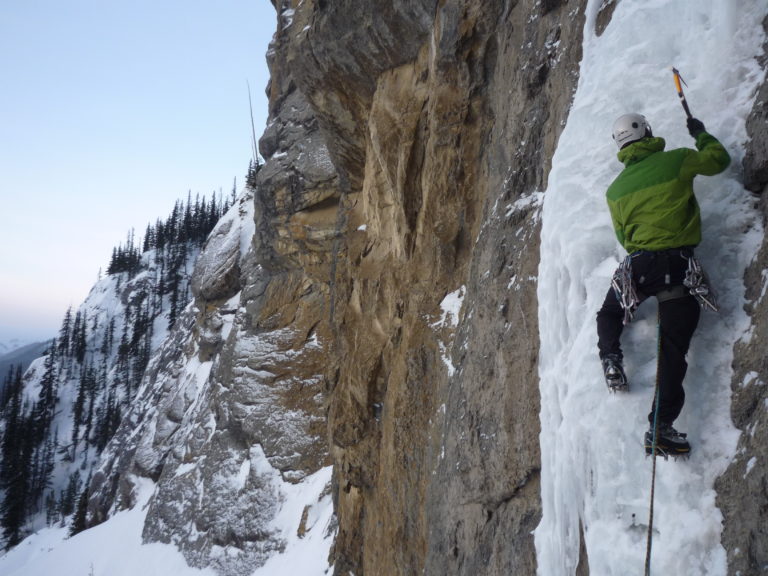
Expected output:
{"points": [[695, 127]]}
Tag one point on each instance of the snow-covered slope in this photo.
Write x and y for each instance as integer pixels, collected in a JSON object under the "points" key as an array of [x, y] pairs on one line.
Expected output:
{"points": [[71, 400], [223, 420], [116, 548], [595, 477]]}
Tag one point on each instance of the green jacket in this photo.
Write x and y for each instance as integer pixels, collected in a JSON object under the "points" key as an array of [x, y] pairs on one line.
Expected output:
{"points": [[652, 203]]}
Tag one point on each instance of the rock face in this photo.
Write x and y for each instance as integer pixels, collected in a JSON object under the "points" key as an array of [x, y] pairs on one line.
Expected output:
{"points": [[440, 128], [743, 489]]}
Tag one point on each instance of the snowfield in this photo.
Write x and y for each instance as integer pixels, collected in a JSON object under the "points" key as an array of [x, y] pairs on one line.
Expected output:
{"points": [[115, 547], [595, 476]]}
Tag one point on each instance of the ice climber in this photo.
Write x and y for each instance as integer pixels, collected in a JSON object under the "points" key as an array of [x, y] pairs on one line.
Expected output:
{"points": [[657, 220]]}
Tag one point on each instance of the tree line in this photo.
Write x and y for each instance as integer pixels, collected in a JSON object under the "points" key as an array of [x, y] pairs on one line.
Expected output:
{"points": [[188, 222]]}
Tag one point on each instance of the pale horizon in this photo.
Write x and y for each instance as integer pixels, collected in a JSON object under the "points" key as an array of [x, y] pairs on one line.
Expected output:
{"points": [[110, 114]]}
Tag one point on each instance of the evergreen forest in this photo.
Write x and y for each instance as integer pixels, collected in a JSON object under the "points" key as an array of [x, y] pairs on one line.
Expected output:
{"points": [[58, 417]]}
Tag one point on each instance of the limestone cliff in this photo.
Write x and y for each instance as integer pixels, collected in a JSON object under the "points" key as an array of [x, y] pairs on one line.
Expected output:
{"points": [[441, 129]]}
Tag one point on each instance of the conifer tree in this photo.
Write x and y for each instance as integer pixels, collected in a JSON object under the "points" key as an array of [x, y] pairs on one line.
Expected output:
{"points": [[90, 383], [148, 239], [14, 509], [51, 508], [160, 236], [253, 170], [78, 410], [7, 390], [113, 262], [40, 472], [13, 417], [69, 495], [173, 223], [79, 519], [187, 222], [75, 333], [106, 342], [174, 305], [79, 340], [45, 406], [64, 333], [232, 194], [213, 215], [16, 450]]}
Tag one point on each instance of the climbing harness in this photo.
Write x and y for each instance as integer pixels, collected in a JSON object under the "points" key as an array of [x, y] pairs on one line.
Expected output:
{"points": [[624, 288], [696, 283]]}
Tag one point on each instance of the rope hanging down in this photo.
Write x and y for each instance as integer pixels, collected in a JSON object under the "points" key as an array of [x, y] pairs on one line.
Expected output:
{"points": [[653, 447], [696, 282]]}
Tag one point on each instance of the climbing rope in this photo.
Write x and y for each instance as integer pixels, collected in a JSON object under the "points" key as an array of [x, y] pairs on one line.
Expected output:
{"points": [[653, 446]]}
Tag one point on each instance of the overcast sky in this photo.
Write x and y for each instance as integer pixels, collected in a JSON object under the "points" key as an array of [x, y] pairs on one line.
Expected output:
{"points": [[110, 111]]}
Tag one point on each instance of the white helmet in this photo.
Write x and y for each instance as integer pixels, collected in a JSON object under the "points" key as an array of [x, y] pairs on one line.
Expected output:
{"points": [[630, 128]]}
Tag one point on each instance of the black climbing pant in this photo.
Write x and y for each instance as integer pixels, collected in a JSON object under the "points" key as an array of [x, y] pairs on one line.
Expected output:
{"points": [[658, 274]]}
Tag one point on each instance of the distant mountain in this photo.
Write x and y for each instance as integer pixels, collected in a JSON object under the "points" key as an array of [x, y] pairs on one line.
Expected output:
{"points": [[23, 355], [8, 346]]}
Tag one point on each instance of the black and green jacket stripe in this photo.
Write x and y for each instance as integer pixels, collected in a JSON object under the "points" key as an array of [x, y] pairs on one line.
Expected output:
{"points": [[652, 203]]}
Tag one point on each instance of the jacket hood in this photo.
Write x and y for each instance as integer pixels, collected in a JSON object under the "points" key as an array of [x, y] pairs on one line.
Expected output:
{"points": [[640, 150]]}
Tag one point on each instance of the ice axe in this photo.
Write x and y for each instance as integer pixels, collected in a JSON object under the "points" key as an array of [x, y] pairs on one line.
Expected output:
{"points": [[679, 85]]}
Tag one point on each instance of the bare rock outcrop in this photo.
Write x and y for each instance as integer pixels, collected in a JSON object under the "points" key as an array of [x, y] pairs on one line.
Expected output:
{"points": [[440, 119], [230, 408], [742, 491]]}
